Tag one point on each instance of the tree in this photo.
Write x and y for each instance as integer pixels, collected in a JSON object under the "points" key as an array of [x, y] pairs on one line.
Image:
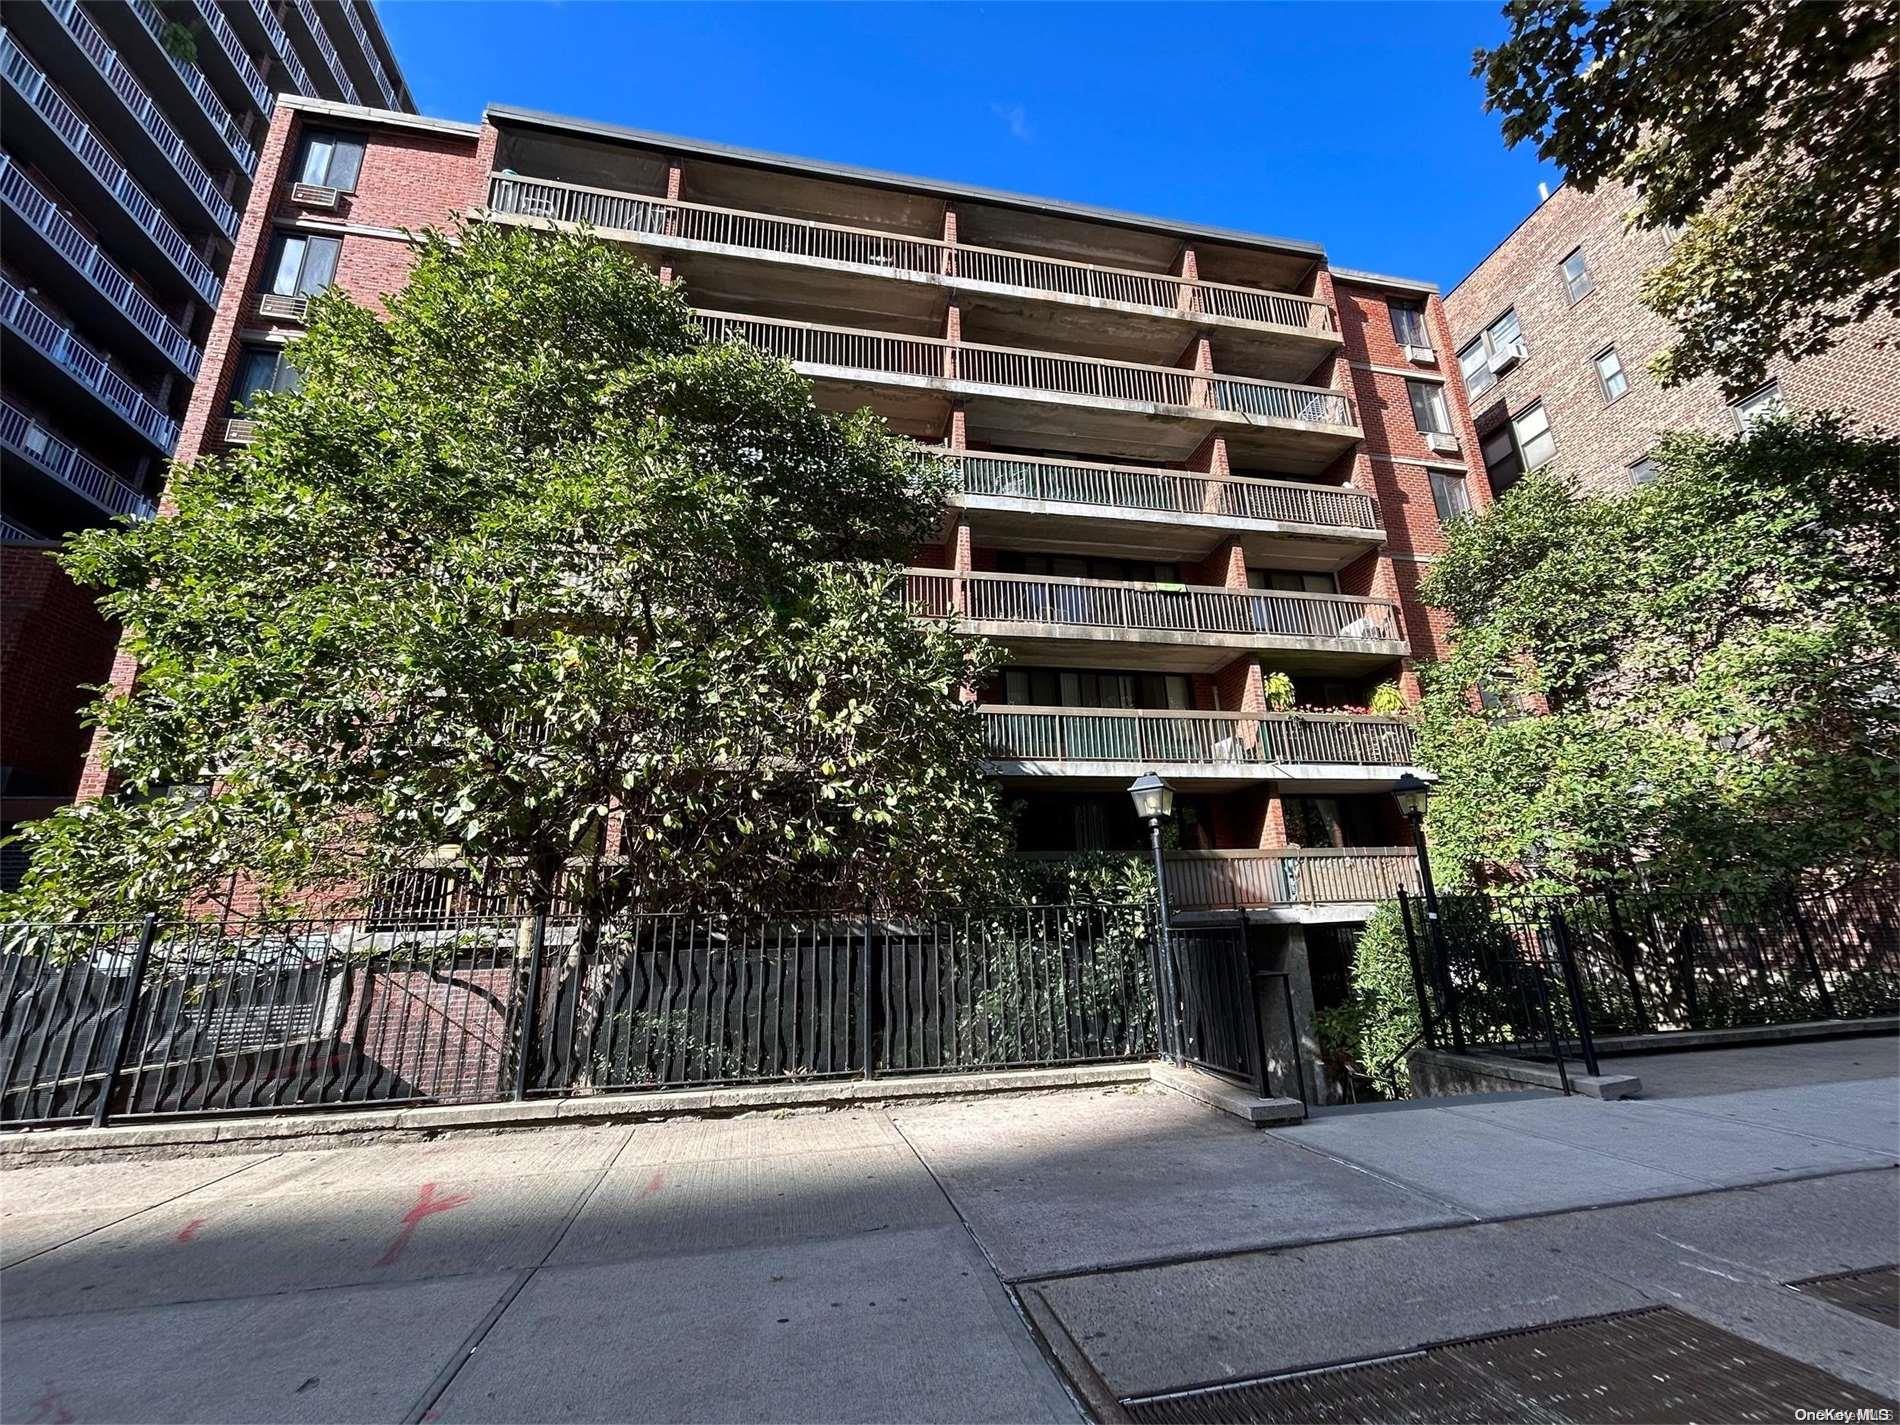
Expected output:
{"points": [[1719, 656], [1766, 131], [526, 557]]}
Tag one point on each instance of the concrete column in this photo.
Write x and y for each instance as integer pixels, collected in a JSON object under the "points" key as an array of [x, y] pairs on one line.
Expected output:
{"points": [[1283, 948]]}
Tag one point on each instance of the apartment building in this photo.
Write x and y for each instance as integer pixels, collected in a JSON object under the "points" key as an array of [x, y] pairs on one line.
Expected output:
{"points": [[1200, 472], [130, 138], [1554, 347]]}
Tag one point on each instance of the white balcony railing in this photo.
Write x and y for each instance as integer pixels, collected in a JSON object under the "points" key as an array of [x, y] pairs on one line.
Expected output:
{"points": [[325, 48], [234, 50], [1240, 880], [280, 41], [38, 212], [609, 210], [1179, 492], [1041, 601], [847, 348], [194, 79], [45, 333], [25, 76], [19, 432], [1210, 741], [145, 109], [386, 88]]}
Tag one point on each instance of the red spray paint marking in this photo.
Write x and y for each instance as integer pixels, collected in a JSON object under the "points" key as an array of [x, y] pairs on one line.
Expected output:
{"points": [[426, 1204], [654, 1183], [49, 1409], [189, 1232]]}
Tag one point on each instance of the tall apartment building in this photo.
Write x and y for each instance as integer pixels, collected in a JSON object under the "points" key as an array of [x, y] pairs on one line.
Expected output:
{"points": [[130, 137], [1196, 466], [1554, 347]]}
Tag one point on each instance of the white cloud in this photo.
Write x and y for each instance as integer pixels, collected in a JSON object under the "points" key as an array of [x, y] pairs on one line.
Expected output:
{"points": [[1017, 118]]}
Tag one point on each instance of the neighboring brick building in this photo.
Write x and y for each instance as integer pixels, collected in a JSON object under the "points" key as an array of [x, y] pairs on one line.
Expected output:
{"points": [[1554, 345], [1190, 458]]}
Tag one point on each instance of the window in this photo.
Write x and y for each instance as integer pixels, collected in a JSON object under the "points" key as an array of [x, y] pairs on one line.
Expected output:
{"points": [[1450, 494], [1524, 444], [1408, 323], [1482, 358], [1070, 566], [1758, 407], [302, 266], [1072, 688], [331, 161], [1293, 581], [1535, 444], [1577, 279], [1610, 375], [1644, 471], [262, 368], [1428, 407]]}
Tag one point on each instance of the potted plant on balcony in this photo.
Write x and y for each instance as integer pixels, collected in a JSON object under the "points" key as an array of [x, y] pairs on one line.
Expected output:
{"points": [[1387, 701], [1278, 690]]}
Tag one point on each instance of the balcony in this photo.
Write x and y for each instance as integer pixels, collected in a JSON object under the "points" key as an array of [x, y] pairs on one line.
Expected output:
{"points": [[38, 214], [23, 437], [1112, 306], [130, 208], [44, 334], [1038, 398], [274, 34], [1296, 879], [1031, 502], [382, 87], [217, 118], [1184, 629], [1321, 751], [326, 51], [235, 54]]}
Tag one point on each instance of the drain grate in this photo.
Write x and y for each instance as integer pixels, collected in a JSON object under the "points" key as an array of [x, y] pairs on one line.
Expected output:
{"points": [[1656, 1365], [1874, 1294]]}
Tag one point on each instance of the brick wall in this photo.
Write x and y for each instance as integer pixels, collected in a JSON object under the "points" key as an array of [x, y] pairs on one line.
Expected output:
{"points": [[54, 643], [1599, 440]]}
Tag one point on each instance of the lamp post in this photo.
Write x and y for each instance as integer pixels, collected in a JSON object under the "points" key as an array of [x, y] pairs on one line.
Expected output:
{"points": [[1412, 793], [1154, 804]]}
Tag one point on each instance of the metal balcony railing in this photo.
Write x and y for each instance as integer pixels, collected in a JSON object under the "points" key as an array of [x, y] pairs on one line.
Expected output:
{"points": [[280, 42], [194, 79], [607, 209], [1180, 492], [34, 88], [45, 333], [1241, 880], [234, 50], [38, 212], [1210, 741], [1100, 603], [847, 348], [19, 432], [145, 109], [386, 88], [327, 49]]}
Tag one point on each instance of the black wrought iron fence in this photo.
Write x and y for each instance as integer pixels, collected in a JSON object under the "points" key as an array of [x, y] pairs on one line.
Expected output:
{"points": [[136, 1020]]}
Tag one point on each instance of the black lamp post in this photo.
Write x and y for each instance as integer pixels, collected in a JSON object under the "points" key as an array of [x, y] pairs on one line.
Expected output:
{"points": [[1412, 793], [1154, 804]]}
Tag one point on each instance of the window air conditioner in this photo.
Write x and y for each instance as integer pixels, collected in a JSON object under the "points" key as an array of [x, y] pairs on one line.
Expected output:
{"points": [[1442, 442], [240, 432], [287, 309], [313, 195], [1421, 355], [1505, 357]]}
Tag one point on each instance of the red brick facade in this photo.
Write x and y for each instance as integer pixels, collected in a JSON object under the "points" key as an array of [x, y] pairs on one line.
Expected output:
{"points": [[1598, 440], [54, 645]]}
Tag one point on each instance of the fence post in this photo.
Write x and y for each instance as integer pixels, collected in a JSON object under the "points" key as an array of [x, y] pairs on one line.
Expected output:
{"points": [[530, 1002], [1807, 953], [115, 1061], [1573, 988], [1425, 1018], [867, 983], [1626, 957]]}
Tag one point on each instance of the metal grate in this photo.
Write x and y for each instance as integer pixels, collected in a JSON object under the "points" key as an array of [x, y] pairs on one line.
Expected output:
{"points": [[1657, 1365], [1874, 1293]]}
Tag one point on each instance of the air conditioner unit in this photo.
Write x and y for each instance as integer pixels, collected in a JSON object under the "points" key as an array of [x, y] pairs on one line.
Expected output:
{"points": [[1505, 357], [1421, 355], [240, 432], [286, 309], [314, 195], [1442, 442]]}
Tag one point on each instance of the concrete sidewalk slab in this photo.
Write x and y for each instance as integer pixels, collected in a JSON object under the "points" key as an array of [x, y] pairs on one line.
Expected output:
{"points": [[1861, 1113], [880, 1326], [1688, 1072], [1061, 1185], [362, 1353], [466, 1162], [687, 1140]]}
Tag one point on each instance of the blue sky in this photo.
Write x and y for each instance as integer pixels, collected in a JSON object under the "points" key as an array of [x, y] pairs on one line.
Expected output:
{"points": [[1355, 125]]}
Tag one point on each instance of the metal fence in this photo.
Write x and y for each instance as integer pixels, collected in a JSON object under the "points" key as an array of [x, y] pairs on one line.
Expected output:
{"points": [[135, 1020]]}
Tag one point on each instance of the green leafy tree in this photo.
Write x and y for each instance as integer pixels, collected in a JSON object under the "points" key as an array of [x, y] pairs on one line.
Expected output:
{"points": [[527, 557], [1767, 132], [1698, 681]]}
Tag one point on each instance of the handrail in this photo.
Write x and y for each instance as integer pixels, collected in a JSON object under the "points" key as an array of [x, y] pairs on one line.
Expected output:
{"points": [[1139, 487], [82, 473], [1212, 740], [640, 214], [38, 91], [386, 88], [1284, 876], [221, 117], [819, 344], [45, 333], [40, 213], [307, 12], [280, 41], [118, 75], [1103, 603], [233, 47]]}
